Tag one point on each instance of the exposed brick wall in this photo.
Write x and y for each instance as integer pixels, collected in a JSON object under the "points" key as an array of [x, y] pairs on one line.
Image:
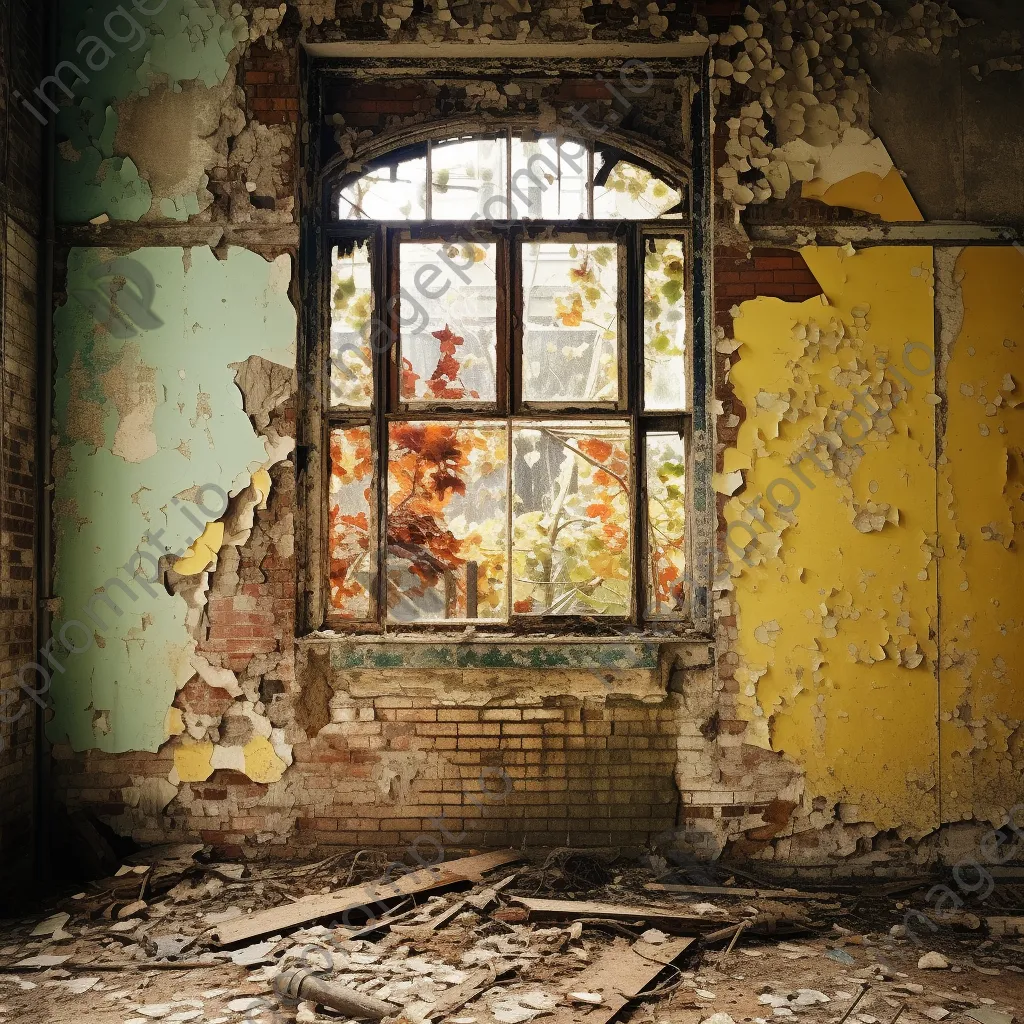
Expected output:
{"points": [[21, 34], [271, 82], [741, 275], [575, 772]]}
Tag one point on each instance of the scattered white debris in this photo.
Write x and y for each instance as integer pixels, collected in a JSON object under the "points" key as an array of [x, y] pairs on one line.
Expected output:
{"points": [[54, 923], [933, 961]]}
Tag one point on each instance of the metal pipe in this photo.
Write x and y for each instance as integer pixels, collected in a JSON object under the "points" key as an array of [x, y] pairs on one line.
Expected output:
{"points": [[297, 983]]}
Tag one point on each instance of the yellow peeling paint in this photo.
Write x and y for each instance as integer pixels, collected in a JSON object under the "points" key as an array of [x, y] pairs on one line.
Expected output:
{"points": [[888, 197], [203, 552], [261, 763], [175, 722], [981, 522], [261, 484], [193, 761], [835, 624]]}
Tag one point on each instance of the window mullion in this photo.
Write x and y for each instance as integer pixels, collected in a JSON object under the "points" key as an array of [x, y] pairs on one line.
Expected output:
{"points": [[383, 257], [634, 291]]}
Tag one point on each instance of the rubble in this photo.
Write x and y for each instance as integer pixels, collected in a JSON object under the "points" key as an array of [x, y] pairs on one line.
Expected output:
{"points": [[463, 942]]}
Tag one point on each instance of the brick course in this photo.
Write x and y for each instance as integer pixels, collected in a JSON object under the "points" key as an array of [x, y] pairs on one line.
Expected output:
{"points": [[21, 162]]}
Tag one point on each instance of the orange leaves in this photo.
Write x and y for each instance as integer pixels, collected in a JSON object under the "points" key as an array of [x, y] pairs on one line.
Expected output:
{"points": [[600, 510], [435, 442], [444, 381], [351, 463], [583, 273], [598, 450], [409, 378], [524, 606], [571, 316]]}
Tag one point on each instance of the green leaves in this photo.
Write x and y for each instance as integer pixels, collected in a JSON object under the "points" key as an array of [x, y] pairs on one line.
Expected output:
{"points": [[673, 291]]}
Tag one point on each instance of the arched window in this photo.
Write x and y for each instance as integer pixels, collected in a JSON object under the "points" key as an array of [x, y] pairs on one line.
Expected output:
{"points": [[507, 413]]}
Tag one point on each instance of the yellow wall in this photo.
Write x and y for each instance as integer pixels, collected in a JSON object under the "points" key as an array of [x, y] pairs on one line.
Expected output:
{"points": [[981, 519], [836, 628], [838, 600]]}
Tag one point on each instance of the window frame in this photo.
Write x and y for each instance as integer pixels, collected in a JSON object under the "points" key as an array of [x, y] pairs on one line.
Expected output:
{"points": [[325, 168], [383, 240]]}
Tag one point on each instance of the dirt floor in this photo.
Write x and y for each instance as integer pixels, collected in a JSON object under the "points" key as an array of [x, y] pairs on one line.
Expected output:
{"points": [[143, 946]]}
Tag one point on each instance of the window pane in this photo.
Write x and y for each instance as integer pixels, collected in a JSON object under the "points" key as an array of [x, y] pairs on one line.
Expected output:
{"points": [[570, 322], [447, 521], [468, 179], [448, 332], [349, 535], [549, 180], [351, 319], [388, 193], [665, 325], [632, 193], [666, 511], [571, 552]]}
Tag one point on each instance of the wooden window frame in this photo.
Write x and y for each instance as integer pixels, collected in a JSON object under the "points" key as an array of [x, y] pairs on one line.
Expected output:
{"points": [[383, 240]]}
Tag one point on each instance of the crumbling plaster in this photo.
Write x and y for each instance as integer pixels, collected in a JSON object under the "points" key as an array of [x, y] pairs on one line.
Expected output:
{"points": [[832, 674], [153, 434], [827, 683], [836, 648], [158, 116]]}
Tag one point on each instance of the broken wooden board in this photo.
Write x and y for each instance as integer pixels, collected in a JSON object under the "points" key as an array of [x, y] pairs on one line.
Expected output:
{"points": [[668, 919], [726, 890], [1004, 926], [620, 974], [373, 895], [480, 901]]}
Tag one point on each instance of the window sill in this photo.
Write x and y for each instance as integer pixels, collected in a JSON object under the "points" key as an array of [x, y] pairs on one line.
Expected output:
{"points": [[477, 650]]}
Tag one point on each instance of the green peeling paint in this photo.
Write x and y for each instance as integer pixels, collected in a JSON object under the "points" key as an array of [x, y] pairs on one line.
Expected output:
{"points": [[140, 420], [353, 655], [184, 41]]}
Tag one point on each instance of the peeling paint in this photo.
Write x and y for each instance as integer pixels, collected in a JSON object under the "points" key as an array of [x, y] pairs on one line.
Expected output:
{"points": [[829, 619], [125, 94], [981, 531], [214, 315]]}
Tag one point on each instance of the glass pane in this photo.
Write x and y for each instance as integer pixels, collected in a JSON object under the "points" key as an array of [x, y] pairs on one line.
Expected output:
{"points": [[468, 179], [571, 552], [447, 521], [632, 193], [349, 534], [388, 193], [448, 327], [351, 319], [665, 325], [549, 180], [570, 322], [666, 512]]}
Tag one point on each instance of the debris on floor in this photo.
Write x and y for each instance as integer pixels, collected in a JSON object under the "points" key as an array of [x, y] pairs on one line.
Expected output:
{"points": [[497, 938]]}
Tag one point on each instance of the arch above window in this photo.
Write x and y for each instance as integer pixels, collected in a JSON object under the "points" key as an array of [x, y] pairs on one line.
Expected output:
{"points": [[509, 175]]}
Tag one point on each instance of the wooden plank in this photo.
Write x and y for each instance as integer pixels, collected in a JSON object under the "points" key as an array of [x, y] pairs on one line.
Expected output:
{"points": [[620, 974], [670, 919], [372, 895], [726, 890]]}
